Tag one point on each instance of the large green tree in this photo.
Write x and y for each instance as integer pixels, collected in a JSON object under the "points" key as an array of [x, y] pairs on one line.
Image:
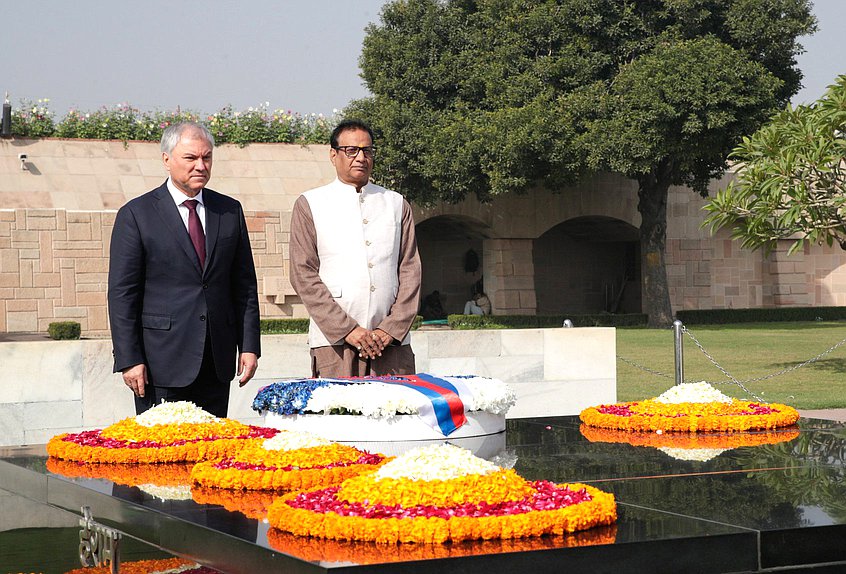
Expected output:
{"points": [[790, 179], [488, 97]]}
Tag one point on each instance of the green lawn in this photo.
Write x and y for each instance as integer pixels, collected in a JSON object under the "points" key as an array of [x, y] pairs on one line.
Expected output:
{"points": [[746, 351]]}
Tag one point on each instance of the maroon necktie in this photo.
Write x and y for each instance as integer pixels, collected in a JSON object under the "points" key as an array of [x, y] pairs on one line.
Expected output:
{"points": [[195, 230]]}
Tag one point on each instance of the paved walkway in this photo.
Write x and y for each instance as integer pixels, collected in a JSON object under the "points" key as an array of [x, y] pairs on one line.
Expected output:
{"points": [[828, 414]]}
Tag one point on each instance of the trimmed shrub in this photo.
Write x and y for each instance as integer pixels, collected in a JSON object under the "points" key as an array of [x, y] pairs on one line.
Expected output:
{"points": [[544, 321], [295, 326], [283, 326], [62, 330], [768, 315]]}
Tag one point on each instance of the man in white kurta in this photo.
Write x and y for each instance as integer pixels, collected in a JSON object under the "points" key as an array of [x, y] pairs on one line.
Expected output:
{"points": [[354, 264]]}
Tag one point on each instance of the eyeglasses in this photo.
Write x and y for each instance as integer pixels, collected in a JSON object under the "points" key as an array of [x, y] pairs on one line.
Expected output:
{"points": [[351, 151]]}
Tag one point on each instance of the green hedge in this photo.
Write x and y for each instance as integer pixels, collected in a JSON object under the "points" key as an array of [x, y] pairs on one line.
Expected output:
{"points": [[701, 317], [293, 326], [283, 326], [61, 330], [544, 321], [768, 315]]}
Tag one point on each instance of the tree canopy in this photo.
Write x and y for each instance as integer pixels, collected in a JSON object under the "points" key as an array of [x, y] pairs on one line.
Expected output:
{"points": [[488, 97], [790, 180]]}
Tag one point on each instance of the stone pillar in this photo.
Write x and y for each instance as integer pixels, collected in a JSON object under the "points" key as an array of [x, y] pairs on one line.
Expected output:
{"points": [[509, 273], [790, 278]]}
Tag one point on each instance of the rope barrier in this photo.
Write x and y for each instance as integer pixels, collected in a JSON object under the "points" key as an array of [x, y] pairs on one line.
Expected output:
{"points": [[731, 379]]}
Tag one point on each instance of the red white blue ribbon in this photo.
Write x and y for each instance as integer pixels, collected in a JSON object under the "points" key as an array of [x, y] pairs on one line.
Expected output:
{"points": [[440, 406]]}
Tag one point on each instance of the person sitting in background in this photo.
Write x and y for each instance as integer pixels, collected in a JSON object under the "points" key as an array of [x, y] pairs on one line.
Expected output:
{"points": [[432, 309], [479, 305]]}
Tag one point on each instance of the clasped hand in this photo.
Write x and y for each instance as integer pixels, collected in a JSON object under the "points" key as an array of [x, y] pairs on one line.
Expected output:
{"points": [[369, 344]]}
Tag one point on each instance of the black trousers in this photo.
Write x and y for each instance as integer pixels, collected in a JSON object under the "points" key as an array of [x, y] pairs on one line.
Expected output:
{"points": [[207, 391]]}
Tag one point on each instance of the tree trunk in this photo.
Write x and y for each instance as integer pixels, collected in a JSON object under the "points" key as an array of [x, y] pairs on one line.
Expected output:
{"points": [[652, 205]]}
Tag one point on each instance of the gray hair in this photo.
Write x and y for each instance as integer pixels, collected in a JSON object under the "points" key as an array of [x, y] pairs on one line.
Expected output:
{"points": [[172, 134]]}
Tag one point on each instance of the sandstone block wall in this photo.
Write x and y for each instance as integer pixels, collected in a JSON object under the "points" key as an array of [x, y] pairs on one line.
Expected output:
{"points": [[714, 272], [56, 217], [54, 266]]}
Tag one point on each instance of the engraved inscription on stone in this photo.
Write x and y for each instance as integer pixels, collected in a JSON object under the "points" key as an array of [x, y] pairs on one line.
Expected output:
{"points": [[98, 545]]}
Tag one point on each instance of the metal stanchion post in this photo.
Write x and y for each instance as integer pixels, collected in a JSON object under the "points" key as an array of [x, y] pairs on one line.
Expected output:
{"points": [[6, 121], [677, 337]]}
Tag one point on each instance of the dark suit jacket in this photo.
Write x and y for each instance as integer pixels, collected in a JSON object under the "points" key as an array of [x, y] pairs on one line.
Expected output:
{"points": [[160, 301]]}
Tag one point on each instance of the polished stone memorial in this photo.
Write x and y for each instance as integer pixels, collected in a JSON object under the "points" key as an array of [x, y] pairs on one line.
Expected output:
{"points": [[777, 506]]}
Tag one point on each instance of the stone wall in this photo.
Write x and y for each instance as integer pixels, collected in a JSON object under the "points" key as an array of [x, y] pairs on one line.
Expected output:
{"points": [[714, 272], [54, 266], [56, 217], [510, 275], [50, 387]]}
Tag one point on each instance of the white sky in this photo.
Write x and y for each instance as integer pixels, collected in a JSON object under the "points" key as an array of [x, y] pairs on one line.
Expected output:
{"points": [[825, 56], [299, 55]]}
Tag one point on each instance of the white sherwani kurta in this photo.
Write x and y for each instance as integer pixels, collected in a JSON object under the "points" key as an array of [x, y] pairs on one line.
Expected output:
{"points": [[354, 261]]}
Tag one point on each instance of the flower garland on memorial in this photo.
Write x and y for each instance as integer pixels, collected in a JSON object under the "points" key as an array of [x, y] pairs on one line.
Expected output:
{"points": [[289, 461], [169, 432], [690, 407], [359, 552], [441, 493], [374, 399]]}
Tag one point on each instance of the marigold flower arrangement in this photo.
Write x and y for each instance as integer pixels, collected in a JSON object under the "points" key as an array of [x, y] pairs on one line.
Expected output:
{"points": [[291, 460], [690, 407], [322, 550], [437, 494], [169, 432]]}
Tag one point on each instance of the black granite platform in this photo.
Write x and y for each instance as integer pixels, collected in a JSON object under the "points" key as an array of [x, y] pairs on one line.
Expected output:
{"points": [[777, 507]]}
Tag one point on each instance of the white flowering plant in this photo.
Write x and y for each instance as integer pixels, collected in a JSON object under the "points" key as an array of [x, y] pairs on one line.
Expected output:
{"points": [[125, 122], [33, 119]]}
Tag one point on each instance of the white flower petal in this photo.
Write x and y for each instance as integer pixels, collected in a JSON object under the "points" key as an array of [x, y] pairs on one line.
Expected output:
{"points": [[435, 462], [177, 412], [700, 392], [697, 454], [293, 440]]}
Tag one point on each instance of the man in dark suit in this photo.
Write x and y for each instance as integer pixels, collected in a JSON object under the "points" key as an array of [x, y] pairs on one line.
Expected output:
{"points": [[182, 284]]}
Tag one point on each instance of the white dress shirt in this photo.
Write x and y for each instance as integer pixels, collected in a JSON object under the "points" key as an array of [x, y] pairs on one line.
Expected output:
{"points": [[179, 197]]}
